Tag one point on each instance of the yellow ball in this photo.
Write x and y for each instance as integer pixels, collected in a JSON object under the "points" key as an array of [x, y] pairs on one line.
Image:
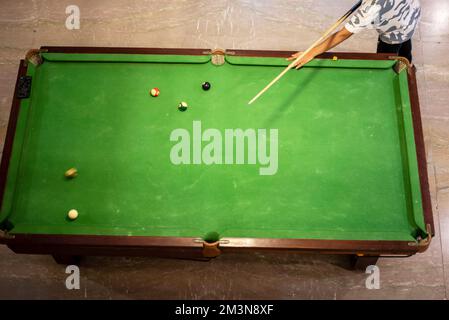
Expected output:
{"points": [[71, 173], [73, 214], [335, 58]]}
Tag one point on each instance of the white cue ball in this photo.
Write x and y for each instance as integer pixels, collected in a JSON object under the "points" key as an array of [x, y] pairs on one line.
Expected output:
{"points": [[73, 214]]}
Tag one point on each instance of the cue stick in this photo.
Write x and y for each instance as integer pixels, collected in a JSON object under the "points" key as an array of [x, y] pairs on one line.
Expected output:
{"points": [[323, 37]]}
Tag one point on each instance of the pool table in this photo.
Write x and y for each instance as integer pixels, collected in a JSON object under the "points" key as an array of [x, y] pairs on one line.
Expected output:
{"points": [[330, 160]]}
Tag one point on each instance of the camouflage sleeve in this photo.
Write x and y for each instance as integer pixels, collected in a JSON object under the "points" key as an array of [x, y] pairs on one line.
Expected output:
{"points": [[365, 17]]}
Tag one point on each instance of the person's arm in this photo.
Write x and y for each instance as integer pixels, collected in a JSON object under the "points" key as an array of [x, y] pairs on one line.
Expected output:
{"points": [[331, 42]]}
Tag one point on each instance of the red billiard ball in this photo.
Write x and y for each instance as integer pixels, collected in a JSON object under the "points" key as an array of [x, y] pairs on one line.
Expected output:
{"points": [[154, 92]]}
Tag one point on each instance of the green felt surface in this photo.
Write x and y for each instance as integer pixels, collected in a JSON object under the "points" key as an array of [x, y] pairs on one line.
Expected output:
{"points": [[347, 159]]}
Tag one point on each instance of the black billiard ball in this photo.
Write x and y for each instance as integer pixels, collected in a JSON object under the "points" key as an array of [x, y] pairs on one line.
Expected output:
{"points": [[206, 86], [182, 106]]}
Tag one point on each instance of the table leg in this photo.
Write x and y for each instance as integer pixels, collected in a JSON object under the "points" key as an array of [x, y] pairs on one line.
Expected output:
{"points": [[362, 262], [66, 259]]}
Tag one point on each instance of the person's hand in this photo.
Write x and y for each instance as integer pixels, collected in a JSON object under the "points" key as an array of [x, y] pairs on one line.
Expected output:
{"points": [[303, 61]]}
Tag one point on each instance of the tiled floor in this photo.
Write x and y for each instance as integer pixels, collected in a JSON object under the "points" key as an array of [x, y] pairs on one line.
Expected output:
{"points": [[244, 24]]}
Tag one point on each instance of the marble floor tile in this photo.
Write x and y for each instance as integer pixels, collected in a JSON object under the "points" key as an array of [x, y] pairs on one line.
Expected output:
{"points": [[435, 55], [437, 92], [249, 276], [440, 151], [8, 75], [443, 208], [436, 70], [418, 52], [244, 24], [427, 129], [19, 12], [434, 21]]}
